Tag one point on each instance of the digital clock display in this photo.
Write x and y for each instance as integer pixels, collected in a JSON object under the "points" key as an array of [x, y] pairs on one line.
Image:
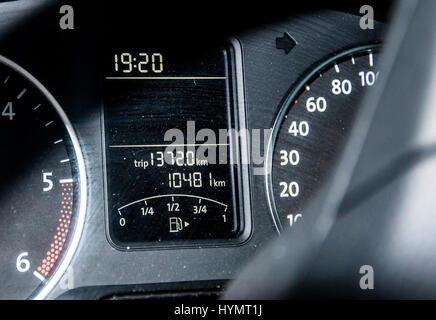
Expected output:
{"points": [[142, 62], [172, 164]]}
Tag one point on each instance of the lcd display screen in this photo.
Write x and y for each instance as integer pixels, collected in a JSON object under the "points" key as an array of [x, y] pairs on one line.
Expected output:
{"points": [[171, 161]]}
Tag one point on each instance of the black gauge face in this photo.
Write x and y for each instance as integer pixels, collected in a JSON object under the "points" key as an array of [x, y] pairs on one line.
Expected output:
{"points": [[41, 170], [311, 128]]}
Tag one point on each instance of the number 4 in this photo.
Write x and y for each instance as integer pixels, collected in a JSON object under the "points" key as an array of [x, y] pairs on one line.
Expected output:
{"points": [[8, 111]]}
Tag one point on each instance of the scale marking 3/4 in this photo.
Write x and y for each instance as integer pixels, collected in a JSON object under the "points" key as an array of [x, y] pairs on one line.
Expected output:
{"points": [[311, 128]]}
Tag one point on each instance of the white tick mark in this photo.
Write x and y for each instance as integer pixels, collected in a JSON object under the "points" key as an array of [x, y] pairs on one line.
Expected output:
{"points": [[21, 93], [38, 275]]}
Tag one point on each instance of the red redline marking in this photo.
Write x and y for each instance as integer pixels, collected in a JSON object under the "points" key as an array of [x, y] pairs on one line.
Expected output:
{"points": [[60, 238]]}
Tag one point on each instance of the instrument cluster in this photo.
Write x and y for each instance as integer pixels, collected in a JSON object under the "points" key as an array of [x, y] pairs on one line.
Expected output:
{"points": [[140, 151]]}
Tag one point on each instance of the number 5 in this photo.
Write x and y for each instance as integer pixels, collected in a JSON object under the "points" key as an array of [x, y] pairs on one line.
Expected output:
{"points": [[45, 179]]}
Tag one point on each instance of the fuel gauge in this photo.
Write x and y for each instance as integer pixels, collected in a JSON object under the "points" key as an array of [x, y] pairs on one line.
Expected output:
{"points": [[171, 217]]}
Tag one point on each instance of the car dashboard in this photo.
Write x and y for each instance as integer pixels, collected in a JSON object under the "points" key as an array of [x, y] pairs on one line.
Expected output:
{"points": [[153, 150]]}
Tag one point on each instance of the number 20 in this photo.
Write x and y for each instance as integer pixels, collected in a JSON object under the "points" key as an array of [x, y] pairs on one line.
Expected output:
{"points": [[289, 190]]}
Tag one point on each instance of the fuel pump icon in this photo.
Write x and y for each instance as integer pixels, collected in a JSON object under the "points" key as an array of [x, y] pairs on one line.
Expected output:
{"points": [[176, 224]]}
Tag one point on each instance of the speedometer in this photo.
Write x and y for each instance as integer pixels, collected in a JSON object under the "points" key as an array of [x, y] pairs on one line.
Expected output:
{"points": [[311, 128], [43, 197]]}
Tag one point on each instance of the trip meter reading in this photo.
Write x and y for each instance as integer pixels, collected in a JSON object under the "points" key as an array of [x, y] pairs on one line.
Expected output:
{"points": [[311, 128], [172, 160]]}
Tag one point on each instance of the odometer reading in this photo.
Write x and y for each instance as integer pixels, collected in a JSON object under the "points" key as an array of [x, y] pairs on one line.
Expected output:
{"points": [[168, 182], [311, 128]]}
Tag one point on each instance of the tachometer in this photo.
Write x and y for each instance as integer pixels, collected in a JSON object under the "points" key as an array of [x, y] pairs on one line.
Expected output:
{"points": [[311, 127], [43, 198]]}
